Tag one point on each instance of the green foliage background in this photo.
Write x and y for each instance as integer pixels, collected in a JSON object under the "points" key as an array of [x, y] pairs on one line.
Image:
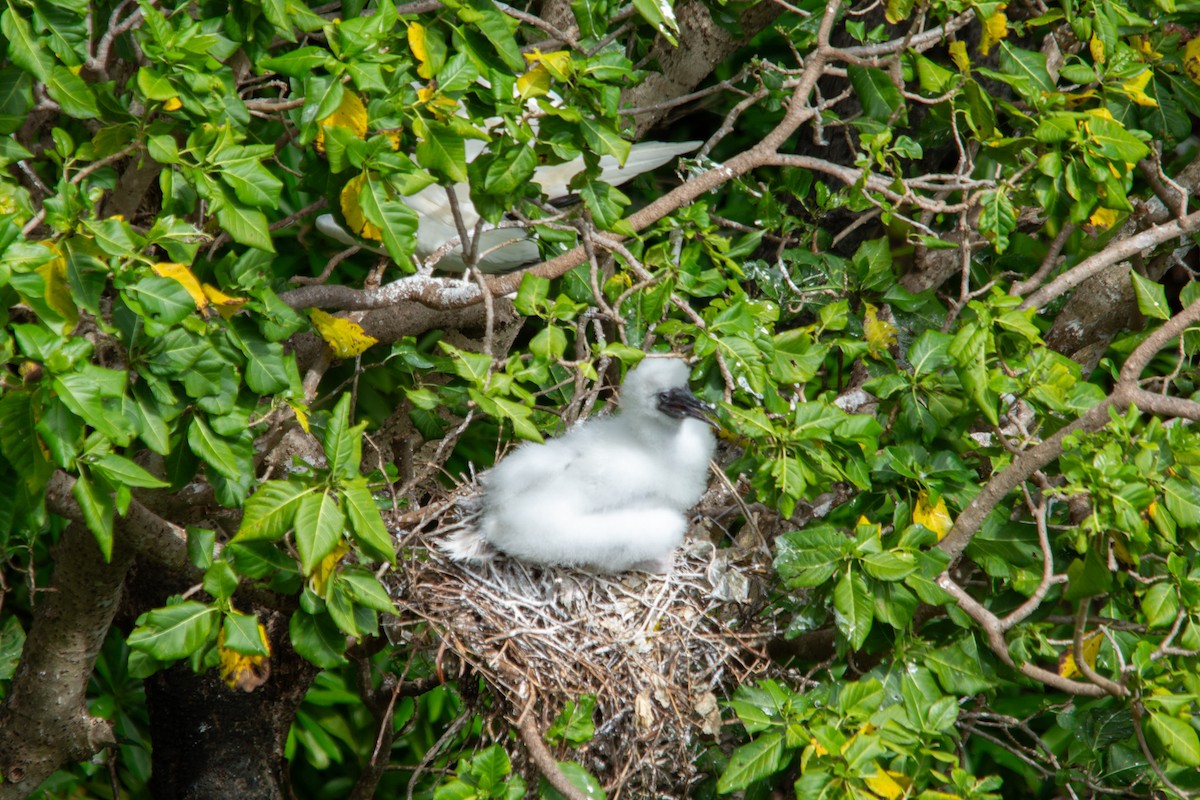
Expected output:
{"points": [[209, 135]]}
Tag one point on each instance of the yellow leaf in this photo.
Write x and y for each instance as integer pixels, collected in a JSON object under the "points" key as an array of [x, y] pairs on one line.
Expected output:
{"points": [[557, 63], [958, 54], [184, 277], [534, 83], [995, 28], [172, 104], [301, 414], [888, 784], [935, 517], [393, 136], [350, 114], [352, 209], [319, 579], [441, 105], [1103, 218], [58, 292], [880, 333], [1100, 112], [1067, 668], [1145, 48], [240, 671], [1135, 87], [226, 305], [416, 43], [1096, 46], [345, 337], [1191, 60], [817, 748]]}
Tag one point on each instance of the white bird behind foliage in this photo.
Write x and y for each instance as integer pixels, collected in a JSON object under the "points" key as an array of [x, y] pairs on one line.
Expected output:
{"points": [[505, 249], [611, 493]]}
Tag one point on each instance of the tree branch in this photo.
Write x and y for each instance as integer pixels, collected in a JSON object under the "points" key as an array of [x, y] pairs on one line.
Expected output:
{"points": [[44, 721], [545, 762], [1115, 253]]}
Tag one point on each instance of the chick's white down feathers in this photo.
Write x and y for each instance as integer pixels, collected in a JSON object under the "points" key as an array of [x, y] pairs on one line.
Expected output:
{"points": [[611, 493]]}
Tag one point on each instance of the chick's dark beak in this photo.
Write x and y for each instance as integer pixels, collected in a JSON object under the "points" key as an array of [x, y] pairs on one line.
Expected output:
{"points": [[680, 403]]}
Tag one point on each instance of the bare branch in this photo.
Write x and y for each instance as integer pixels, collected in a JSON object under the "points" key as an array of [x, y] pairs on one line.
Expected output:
{"points": [[1119, 250]]}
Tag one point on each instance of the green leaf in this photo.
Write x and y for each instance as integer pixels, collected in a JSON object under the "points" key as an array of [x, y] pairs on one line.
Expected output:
{"points": [[549, 343], [253, 184], [220, 580], [299, 63], [661, 15], [269, 511], [579, 777], [575, 723], [1027, 65], [98, 509], [457, 74], [1177, 738], [366, 525], [1160, 605], [497, 27], [997, 218], [889, 565], [1182, 499], [1151, 297], [604, 140], [174, 632], [874, 89], [1089, 576], [16, 99], [25, 51], [243, 636], [607, 206], [752, 762], [317, 639], [69, 91], [23, 451], [164, 300], [1110, 140], [85, 391], [397, 222], [969, 351], [810, 557], [443, 151], [959, 668], [246, 226], [510, 170], [155, 86], [201, 544], [366, 590], [213, 450], [319, 523], [266, 368], [123, 472], [531, 294], [342, 442], [855, 609]]}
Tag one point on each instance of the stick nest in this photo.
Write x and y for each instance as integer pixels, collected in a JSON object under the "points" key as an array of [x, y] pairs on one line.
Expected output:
{"points": [[658, 652]]}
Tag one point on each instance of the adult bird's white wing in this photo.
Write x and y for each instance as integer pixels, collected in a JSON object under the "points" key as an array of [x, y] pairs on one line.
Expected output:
{"points": [[505, 249]]}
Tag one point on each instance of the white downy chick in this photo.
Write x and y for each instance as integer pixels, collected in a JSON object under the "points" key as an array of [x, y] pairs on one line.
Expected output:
{"points": [[611, 493], [505, 249]]}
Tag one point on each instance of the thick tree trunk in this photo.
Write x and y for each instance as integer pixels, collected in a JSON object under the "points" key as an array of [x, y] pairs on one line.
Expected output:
{"points": [[44, 721], [214, 741]]}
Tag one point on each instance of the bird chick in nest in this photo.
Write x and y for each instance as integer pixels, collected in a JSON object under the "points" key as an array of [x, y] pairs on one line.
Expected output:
{"points": [[611, 493]]}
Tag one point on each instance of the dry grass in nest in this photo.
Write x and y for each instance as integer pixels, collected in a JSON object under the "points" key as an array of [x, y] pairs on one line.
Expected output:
{"points": [[658, 652]]}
